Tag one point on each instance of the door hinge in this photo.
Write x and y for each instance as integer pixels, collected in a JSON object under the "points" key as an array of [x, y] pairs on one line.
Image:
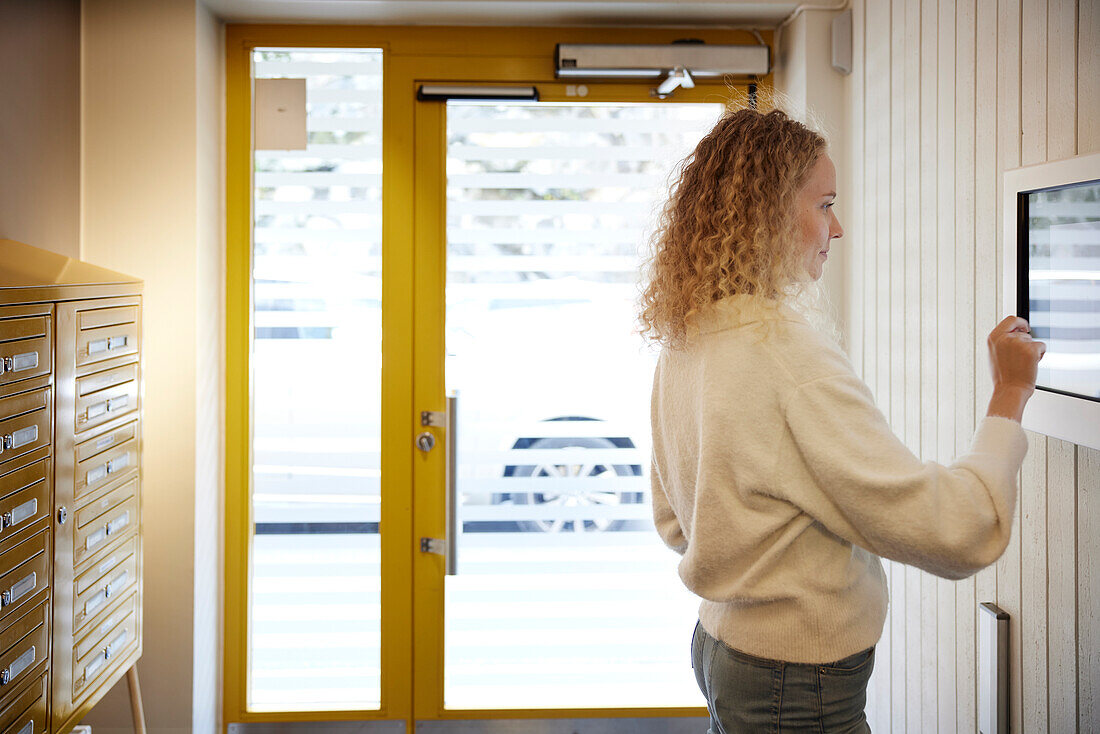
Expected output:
{"points": [[433, 545], [433, 418]]}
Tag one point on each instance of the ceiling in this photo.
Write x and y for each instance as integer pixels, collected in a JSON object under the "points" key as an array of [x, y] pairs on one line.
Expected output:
{"points": [[651, 13]]}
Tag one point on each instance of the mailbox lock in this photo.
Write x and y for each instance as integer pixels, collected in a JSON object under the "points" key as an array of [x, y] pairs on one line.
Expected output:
{"points": [[62, 515], [425, 442]]}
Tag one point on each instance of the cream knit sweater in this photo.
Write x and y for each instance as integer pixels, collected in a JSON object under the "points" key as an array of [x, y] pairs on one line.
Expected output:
{"points": [[781, 484]]}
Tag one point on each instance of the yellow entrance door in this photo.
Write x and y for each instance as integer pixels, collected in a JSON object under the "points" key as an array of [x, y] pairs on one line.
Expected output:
{"points": [[437, 457], [548, 595]]}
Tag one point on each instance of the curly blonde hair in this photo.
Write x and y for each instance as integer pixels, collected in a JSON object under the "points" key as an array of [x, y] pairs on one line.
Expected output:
{"points": [[729, 225]]}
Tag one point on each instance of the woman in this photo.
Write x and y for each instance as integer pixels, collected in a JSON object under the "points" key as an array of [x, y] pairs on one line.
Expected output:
{"points": [[774, 475]]}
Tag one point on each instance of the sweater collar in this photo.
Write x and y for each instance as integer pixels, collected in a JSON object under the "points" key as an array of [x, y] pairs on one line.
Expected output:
{"points": [[739, 310]]}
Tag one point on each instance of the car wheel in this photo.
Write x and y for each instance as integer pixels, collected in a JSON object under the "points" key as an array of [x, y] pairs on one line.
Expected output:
{"points": [[555, 496]]}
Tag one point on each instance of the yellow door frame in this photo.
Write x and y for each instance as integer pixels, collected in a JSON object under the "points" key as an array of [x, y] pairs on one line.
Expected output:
{"points": [[413, 308]]}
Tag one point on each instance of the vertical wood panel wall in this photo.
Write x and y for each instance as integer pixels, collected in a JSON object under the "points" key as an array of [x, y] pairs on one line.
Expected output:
{"points": [[947, 95]]}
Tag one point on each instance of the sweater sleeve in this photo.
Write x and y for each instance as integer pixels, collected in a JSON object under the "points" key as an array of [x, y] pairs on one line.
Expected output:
{"points": [[664, 518], [868, 488]]}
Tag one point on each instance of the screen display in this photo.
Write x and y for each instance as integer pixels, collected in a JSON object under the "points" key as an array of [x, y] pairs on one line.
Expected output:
{"points": [[1063, 285]]}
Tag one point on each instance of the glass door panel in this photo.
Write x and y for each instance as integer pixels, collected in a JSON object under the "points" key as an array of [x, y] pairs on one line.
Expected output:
{"points": [[315, 591], [564, 596]]}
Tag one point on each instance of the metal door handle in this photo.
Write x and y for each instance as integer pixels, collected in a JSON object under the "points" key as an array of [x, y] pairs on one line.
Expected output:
{"points": [[450, 558], [448, 546]]}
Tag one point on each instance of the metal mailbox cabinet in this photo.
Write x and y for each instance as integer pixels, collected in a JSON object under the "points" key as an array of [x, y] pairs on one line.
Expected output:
{"points": [[70, 486]]}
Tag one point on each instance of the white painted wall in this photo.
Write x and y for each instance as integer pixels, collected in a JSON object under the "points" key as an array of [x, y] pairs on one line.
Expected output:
{"points": [[40, 124], [210, 371], [152, 207], [944, 97], [807, 81]]}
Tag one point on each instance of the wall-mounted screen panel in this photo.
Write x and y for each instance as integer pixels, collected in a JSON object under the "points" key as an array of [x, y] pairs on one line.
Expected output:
{"points": [[1063, 284], [1052, 278]]}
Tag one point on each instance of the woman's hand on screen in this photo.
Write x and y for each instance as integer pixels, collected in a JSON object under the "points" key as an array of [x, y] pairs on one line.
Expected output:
{"points": [[1013, 355], [1014, 359]]}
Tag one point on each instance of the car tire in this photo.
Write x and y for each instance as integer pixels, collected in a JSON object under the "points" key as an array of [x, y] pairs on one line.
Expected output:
{"points": [[612, 496]]}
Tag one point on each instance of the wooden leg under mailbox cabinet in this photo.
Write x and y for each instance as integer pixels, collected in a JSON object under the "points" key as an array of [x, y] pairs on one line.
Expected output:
{"points": [[135, 700]]}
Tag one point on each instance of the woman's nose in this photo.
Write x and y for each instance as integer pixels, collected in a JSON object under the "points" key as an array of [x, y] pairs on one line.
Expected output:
{"points": [[835, 230]]}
